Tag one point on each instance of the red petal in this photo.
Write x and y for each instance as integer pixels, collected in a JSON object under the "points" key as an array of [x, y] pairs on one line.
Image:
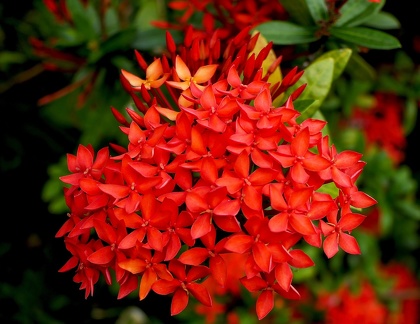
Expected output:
{"points": [[194, 256], [330, 245], [347, 159], [279, 222], [350, 221], [302, 224], [300, 144], [84, 158], [197, 272], [116, 191], [201, 226], [300, 259], [102, 256], [218, 269], [349, 244], [179, 301], [262, 256], [284, 276], [242, 164], [360, 199], [200, 293], [253, 284], [128, 287], [134, 266], [298, 173], [239, 243], [265, 303], [148, 278], [209, 170], [165, 287]]}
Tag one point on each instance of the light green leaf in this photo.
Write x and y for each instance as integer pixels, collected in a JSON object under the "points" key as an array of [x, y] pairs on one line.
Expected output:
{"points": [[358, 68], [318, 10], [318, 76], [355, 12], [366, 37], [148, 12], [382, 20], [286, 33], [340, 56], [329, 188], [298, 11]]}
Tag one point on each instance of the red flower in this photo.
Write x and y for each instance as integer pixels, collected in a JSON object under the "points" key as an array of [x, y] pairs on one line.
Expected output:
{"points": [[183, 285], [267, 285], [335, 235]]}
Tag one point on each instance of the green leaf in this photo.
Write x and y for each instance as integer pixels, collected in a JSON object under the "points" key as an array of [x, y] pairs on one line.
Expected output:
{"points": [[358, 68], [298, 11], [366, 37], [318, 76], [382, 20], [8, 58], [409, 209], [329, 188], [148, 12], [318, 10], [153, 39], [410, 115], [304, 105], [123, 39], [111, 21], [355, 12], [286, 33], [85, 18], [340, 56]]}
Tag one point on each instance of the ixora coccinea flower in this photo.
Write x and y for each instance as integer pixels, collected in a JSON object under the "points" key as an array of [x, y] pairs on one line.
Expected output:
{"points": [[212, 168]]}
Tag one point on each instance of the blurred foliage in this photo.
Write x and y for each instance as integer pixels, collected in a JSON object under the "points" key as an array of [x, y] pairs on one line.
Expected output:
{"points": [[82, 50]]}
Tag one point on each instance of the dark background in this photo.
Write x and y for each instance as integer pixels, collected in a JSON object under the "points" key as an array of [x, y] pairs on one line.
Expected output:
{"points": [[29, 145]]}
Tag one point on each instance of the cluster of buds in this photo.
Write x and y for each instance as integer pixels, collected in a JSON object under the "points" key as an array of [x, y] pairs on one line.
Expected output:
{"points": [[212, 167]]}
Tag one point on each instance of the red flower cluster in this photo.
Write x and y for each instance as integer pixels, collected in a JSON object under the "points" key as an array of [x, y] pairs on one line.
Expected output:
{"points": [[212, 167], [230, 17], [349, 306], [382, 124], [403, 294]]}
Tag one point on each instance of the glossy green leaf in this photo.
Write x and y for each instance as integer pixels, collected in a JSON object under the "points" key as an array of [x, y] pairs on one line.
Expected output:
{"points": [[340, 56], [303, 105], [298, 11], [382, 20], [366, 37], [318, 76], [286, 33], [318, 10], [355, 12]]}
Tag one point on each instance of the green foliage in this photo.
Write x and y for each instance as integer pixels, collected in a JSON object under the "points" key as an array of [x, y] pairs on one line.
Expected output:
{"points": [[286, 33], [366, 37]]}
